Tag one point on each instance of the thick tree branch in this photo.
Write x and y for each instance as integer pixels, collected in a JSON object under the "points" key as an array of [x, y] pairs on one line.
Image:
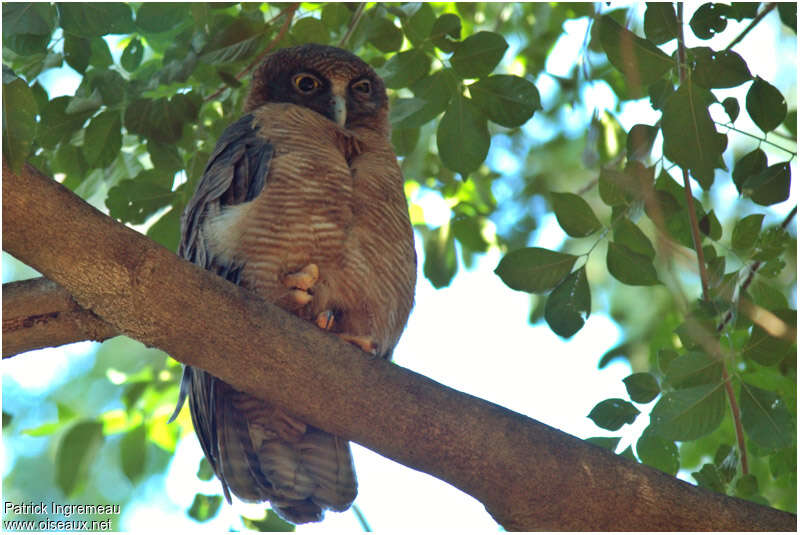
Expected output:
{"points": [[528, 475], [39, 313]]}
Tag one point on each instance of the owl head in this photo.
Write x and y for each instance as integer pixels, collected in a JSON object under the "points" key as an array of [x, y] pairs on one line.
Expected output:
{"points": [[326, 79]]}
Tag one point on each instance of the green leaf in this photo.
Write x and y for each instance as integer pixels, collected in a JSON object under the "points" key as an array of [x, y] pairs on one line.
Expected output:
{"points": [[467, 230], [133, 452], [155, 17], [569, 305], [132, 55], [435, 91], [640, 141], [642, 387], [627, 233], [404, 140], [507, 100], [162, 119], [103, 138], [446, 32], [76, 52], [770, 186], [82, 102], [574, 214], [310, 30], [765, 418], [731, 106], [788, 14], [709, 477], [95, 19], [270, 523], [19, 120], [613, 413], [766, 349], [533, 269], [462, 136], [134, 200], [419, 25], [726, 459], [479, 54], [745, 233], [204, 507], [167, 230], [765, 105], [660, 22], [204, 470], [240, 40], [384, 35], [720, 69], [101, 55], [440, 257], [746, 486], [56, 124], [710, 226], [747, 166], [75, 453], [665, 357], [709, 19], [690, 139], [111, 86], [639, 60], [689, 413], [630, 267], [335, 15], [693, 369], [658, 452], [27, 18], [405, 68]]}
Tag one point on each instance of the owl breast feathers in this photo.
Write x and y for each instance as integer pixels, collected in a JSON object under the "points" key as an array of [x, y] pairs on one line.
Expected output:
{"points": [[302, 202]]}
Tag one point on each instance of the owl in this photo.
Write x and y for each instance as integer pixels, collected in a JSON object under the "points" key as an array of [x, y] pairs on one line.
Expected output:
{"points": [[301, 202]]}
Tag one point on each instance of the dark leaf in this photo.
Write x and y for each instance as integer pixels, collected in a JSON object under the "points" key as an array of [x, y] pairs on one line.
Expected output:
{"points": [[310, 30], [569, 305], [710, 226], [132, 55], [720, 69], [479, 54], [56, 124], [101, 54], [435, 91], [419, 25], [133, 452], [76, 450], [709, 19], [749, 165], [627, 233], [642, 387], [609, 443], [770, 186], [96, 18], [335, 15], [640, 141], [507, 100], [405, 68], [103, 138], [158, 17], [658, 452], [19, 119], [639, 60], [660, 22], [167, 230], [27, 18], [689, 413], [574, 214], [462, 136], [384, 35], [630, 267], [440, 257], [787, 11], [731, 106], [766, 419], [134, 200], [690, 139], [77, 51], [404, 140], [446, 32], [162, 119], [693, 369], [766, 349], [765, 105], [746, 231], [534, 269], [613, 413], [709, 477]]}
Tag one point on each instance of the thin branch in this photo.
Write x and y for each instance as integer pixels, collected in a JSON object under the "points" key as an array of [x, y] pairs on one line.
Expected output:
{"points": [[701, 263], [353, 24], [769, 7], [289, 12], [760, 139]]}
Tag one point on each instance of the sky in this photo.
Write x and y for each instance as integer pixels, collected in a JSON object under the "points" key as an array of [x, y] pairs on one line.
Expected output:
{"points": [[472, 336]]}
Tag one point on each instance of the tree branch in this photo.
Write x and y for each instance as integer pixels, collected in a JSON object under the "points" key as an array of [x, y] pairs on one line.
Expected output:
{"points": [[528, 475], [39, 313]]}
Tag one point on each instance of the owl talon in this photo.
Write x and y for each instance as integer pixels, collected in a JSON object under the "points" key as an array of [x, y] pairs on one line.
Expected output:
{"points": [[325, 320], [366, 343], [299, 284]]}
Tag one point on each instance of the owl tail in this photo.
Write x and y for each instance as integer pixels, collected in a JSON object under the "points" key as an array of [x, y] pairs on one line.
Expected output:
{"points": [[266, 454]]}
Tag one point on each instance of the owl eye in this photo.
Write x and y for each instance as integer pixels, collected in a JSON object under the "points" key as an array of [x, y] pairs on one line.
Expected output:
{"points": [[363, 86], [306, 83]]}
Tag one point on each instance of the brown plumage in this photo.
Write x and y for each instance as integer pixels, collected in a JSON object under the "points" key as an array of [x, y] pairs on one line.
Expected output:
{"points": [[302, 202]]}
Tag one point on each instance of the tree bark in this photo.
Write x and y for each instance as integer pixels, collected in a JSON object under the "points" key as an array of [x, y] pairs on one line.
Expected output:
{"points": [[529, 476]]}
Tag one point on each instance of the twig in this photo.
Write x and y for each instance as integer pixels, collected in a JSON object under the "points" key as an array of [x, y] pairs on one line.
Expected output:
{"points": [[289, 12], [701, 263], [760, 139], [752, 25], [353, 23]]}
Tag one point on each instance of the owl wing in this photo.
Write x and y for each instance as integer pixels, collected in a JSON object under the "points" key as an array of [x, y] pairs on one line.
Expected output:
{"points": [[236, 172]]}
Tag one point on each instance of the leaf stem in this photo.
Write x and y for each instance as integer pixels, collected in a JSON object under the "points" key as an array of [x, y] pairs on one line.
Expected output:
{"points": [[701, 263], [761, 139], [752, 25]]}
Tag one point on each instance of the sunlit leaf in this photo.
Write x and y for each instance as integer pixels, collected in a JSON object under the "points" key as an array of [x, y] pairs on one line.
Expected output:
{"points": [[75, 452], [204, 507], [133, 452]]}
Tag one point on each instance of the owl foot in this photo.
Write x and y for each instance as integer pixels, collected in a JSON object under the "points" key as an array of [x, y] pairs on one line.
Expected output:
{"points": [[366, 343], [299, 284], [325, 320]]}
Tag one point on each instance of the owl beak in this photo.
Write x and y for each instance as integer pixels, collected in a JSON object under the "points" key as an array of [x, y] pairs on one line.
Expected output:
{"points": [[339, 105]]}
